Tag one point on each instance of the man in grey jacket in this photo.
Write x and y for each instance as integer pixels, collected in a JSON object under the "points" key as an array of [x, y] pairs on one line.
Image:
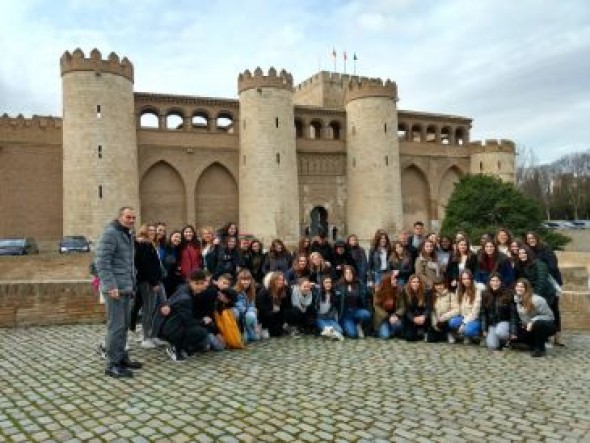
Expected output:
{"points": [[116, 271]]}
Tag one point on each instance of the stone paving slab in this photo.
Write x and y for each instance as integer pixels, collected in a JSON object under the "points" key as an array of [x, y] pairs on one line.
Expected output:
{"points": [[292, 389]]}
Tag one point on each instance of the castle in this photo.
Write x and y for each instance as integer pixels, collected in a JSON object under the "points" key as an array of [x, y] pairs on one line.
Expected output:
{"points": [[332, 151]]}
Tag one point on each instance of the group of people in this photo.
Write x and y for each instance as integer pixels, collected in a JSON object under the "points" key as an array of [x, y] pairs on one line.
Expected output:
{"points": [[214, 289]]}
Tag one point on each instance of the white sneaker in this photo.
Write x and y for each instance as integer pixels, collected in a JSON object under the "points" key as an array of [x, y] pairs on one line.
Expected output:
{"points": [[328, 331], [148, 343], [549, 345], [337, 335], [451, 338], [264, 334], [359, 330]]}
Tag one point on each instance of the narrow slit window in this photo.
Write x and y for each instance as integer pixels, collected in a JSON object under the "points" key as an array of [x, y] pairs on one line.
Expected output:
{"points": [[278, 158], [387, 160], [244, 159], [98, 112], [99, 151], [277, 122], [385, 127], [100, 191], [354, 162], [499, 165]]}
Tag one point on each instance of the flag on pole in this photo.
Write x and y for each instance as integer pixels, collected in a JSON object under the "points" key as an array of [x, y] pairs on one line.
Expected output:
{"points": [[345, 58], [354, 59], [334, 58]]}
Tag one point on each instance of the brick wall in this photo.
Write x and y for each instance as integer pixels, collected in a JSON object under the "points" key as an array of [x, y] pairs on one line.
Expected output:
{"points": [[48, 303], [70, 302]]}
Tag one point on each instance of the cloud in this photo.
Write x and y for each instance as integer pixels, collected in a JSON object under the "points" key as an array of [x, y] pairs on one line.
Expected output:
{"points": [[518, 69]]}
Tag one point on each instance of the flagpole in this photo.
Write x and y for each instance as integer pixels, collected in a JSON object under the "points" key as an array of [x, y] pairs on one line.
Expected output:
{"points": [[354, 58], [344, 54]]}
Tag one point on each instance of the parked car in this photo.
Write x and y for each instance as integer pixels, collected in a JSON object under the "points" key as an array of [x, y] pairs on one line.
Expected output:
{"points": [[74, 243], [581, 224], [18, 246]]}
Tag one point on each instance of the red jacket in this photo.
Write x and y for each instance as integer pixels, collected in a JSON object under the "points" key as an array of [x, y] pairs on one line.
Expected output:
{"points": [[190, 259]]}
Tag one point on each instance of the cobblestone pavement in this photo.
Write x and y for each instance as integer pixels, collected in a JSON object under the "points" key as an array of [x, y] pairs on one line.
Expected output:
{"points": [[292, 389]]}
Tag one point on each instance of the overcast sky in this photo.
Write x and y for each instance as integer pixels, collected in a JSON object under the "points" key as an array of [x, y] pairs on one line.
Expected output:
{"points": [[520, 69]]}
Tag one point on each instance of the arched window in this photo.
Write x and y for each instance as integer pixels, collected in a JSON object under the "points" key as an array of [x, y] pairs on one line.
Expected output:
{"points": [[174, 120], [445, 135], [431, 134], [149, 119], [335, 129], [416, 133], [298, 128], [225, 122], [315, 130], [460, 136], [402, 132], [200, 120]]}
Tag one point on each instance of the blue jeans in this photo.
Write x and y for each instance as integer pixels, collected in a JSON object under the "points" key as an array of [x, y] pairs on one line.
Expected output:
{"points": [[215, 343], [250, 322], [471, 329], [325, 323], [387, 330], [351, 318]]}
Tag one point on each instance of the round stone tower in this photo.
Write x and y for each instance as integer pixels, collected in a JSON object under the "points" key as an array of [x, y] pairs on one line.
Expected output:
{"points": [[373, 167], [99, 141], [269, 189]]}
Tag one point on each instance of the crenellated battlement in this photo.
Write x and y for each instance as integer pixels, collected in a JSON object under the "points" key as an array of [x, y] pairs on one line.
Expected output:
{"points": [[492, 145], [77, 61], [281, 80], [36, 122], [361, 87]]}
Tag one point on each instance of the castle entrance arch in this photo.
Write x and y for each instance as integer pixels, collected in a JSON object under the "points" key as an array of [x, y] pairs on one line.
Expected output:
{"points": [[319, 221], [416, 196], [163, 196], [216, 197]]}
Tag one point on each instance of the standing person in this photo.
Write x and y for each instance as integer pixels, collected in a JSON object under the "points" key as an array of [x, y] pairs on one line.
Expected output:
{"points": [[303, 247], [190, 252], [318, 269], [149, 282], [359, 257], [352, 312], [171, 262], [496, 312], [209, 243], [426, 265], [503, 239], [489, 260], [417, 312], [463, 258], [544, 253], [299, 270], [536, 319], [444, 252], [161, 239], [255, 261], [378, 255], [416, 239], [536, 272], [277, 259], [340, 258], [388, 305], [228, 259], [401, 261], [116, 271], [322, 245]]}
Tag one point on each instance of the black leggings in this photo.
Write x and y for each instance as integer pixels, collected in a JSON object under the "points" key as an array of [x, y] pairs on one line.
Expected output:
{"points": [[536, 338]]}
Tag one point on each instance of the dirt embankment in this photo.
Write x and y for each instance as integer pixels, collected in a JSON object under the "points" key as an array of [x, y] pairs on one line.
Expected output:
{"points": [[46, 266]]}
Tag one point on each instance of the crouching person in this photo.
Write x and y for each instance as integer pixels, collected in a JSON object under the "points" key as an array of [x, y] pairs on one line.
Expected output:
{"points": [[327, 304], [302, 315], [445, 307], [467, 324], [176, 323], [496, 312], [537, 322], [388, 306], [418, 310]]}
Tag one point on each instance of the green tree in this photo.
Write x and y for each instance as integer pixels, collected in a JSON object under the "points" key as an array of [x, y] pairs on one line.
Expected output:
{"points": [[481, 203]]}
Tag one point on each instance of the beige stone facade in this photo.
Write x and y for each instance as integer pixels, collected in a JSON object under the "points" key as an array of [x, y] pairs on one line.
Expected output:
{"points": [[334, 147]]}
